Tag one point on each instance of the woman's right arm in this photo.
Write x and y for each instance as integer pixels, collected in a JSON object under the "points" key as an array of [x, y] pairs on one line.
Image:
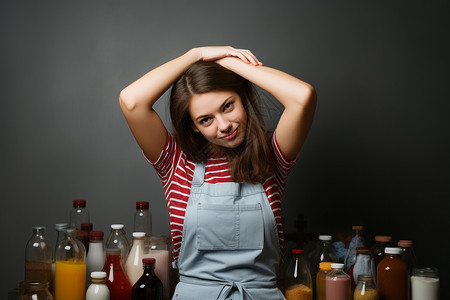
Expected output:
{"points": [[138, 98]]}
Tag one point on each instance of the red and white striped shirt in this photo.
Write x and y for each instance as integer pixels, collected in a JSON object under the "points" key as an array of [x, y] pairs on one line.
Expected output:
{"points": [[176, 173]]}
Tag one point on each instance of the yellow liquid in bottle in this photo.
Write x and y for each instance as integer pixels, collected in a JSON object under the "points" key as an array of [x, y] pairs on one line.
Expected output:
{"points": [[70, 280]]}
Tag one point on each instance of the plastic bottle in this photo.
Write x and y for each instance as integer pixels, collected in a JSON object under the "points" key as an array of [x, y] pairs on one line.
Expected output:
{"points": [[116, 280], [118, 240], [408, 254], [98, 289], [148, 286], [70, 269], [425, 284], [324, 252], [36, 291], [133, 265], [337, 284], [160, 252], [365, 289], [143, 222], [60, 235], [95, 260], [83, 234], [356, 242], [364, 265], [325, 268], [298, 278], [78, 214], [377, 250], [38, 257], [393, 276]]}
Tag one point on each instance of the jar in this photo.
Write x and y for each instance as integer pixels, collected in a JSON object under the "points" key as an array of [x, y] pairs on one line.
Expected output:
{"points": [[159, 250], [393, 276], [425, 284], [36, 291], [365, 289]]}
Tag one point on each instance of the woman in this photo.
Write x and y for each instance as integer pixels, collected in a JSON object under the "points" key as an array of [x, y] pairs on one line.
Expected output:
{"points": [[223, 176]]}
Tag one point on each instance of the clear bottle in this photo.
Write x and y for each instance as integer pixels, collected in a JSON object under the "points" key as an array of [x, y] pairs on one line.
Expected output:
{"points": [[356, 242], [83, 234], [95, 260], [425, 284], [98, 289], [118, 240], [408, 254], [143, 222], [38, 257], [365, 289], [377, 250], [70, 269], [298, 278], [36, 291], [118, 284], [148, 286], [133, 265], [159, 250], [364, 265], [78, 214], [337, 284], [325, 268], [60, 235], [393, 276], [324, 252]]}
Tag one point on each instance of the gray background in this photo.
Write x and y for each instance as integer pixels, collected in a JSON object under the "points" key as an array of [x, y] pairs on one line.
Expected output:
{"points": [[377, 154]]}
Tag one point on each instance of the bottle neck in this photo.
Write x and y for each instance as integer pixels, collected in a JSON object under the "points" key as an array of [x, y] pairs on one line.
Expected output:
{"points": [[149, 269], [98, 280]]}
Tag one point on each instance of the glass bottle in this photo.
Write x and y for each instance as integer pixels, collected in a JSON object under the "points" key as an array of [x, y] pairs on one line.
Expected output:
{"points": [[408, 254], [95, 260], [60, 235], [116, 280], [143, 222], [133, 265], [36, 291], [364, 265], [365, 289], [38, 257], [325, 268], [70, 269], [159, 250], [337, 284], [393, 276], [356, 242], [78, 214], [118, 240], [83, 234], [381, 242], [98, 289], [148, 286], [425, 284], [298, 278]]}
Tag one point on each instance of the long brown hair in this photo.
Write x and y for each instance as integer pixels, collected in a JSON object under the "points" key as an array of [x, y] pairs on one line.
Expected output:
{"points": [[253, 160]]}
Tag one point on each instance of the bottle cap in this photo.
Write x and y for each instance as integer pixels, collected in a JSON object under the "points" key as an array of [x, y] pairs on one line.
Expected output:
{"points": [[393, 250], [96, 235], [325, 266], [297, 251], [405, 243], [117, 226], [337, 266], [39, 228], [61, 226], [86, 226], [79, 203], [426, 272], [71, 231], [141, 205], [325, 237], [112, 251], [365, 277], [383, 238], [357, 227], [98, 275], [148, 260], [138, 234]]}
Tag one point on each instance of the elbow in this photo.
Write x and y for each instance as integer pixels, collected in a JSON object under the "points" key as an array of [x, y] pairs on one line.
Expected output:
{"points": [[307, 97], [125, 101]]}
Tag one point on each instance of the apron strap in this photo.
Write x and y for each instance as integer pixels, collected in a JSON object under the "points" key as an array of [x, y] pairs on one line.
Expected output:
{"points": [[199, 174]]}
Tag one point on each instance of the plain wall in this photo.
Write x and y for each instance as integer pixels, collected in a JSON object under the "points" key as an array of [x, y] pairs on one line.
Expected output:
{"points": [[377, 154]]}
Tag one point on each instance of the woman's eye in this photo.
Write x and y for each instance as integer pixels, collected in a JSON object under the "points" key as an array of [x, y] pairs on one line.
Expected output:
{"points": [[205, 121], [228, 106]]}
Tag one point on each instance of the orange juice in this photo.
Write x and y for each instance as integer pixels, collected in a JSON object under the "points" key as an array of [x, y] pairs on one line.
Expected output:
{"points": [[70, 280]]}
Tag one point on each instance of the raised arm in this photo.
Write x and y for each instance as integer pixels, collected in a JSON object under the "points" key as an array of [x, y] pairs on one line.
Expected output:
{"points": [[298, 98]]}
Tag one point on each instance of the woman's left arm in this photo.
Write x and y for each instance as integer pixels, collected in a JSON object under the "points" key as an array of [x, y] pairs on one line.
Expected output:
{"points": [[298, 98]]}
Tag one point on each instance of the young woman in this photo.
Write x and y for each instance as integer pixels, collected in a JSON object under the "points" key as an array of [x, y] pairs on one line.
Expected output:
{"points": [[222, 174]]}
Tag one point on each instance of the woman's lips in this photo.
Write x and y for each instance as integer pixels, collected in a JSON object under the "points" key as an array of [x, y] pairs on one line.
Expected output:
{"points": [[231, 135]]}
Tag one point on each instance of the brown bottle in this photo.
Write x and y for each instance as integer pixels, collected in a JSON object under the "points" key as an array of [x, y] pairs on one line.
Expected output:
{"points": [[393, 276]]}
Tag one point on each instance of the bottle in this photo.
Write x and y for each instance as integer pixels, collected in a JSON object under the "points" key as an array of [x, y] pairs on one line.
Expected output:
{"points": [[36, 291], [408, 254], [356, 242], [160, 252], [148, 286], [425, 284], [393, 276], [364, 265], [78, 214], [377, 250], [118, 240], [38, 257], [83, 234], [116, 280], [95, 259], [298, 278], [365, 289], [70, 269], [143, 222], [60, 235], [324, 252], [133, 265], [325, 268], [337, 284], [98, 289]]}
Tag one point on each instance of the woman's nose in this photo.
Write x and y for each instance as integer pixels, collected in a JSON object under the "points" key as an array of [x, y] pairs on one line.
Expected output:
{"points": [[224, 125]]}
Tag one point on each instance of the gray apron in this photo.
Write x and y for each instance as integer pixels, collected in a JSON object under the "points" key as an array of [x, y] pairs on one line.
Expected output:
{"points": [[230, 247]]}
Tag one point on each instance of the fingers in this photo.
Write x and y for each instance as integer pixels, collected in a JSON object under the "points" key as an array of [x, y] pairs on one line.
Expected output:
{"points": [[246, 56]]}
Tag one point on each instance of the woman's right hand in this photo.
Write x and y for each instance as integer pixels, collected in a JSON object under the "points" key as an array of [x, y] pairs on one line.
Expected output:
{"points": [[217, 52]]}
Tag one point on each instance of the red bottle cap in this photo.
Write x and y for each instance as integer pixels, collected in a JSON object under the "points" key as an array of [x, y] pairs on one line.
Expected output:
{"points": [[383, 238], [405, 243], [148, 260], [86, 226], [96, 235], [79, 203], [297, 251], [141, 205]]}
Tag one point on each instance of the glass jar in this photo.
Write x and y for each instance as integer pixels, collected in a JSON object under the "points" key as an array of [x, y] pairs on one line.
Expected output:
{"points": [[159, 250], [325, 268], [36, 291], [425, 284], [38, 257], [298, 278], [365, 289], [337, 284], [393, 276]]}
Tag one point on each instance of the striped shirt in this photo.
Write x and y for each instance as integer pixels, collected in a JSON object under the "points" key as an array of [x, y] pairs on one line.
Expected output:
{"points": [[176, 173]]}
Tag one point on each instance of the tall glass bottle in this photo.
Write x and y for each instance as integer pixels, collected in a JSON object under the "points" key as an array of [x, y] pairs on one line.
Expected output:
{"points": [[36, 291], [116, 280], [38, 257], [337, 284], [160, 252], [324, 252], [98, 289], [381, 242], [365, 289], [133, 265], [70, 270], [408, 254], [356, 242], [298, 278], [60, 235], [118, 240], [148, 286], [143, 222], [95, 260], [364, 265], [78, 214], [393, 276]]}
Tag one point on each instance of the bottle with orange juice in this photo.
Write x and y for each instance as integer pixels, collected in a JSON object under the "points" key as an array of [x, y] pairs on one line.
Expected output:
{"points": [[70, 268]]}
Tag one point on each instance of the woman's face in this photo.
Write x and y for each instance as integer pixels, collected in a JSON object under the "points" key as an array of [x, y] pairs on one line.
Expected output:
{"points": [[220, 116]]}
